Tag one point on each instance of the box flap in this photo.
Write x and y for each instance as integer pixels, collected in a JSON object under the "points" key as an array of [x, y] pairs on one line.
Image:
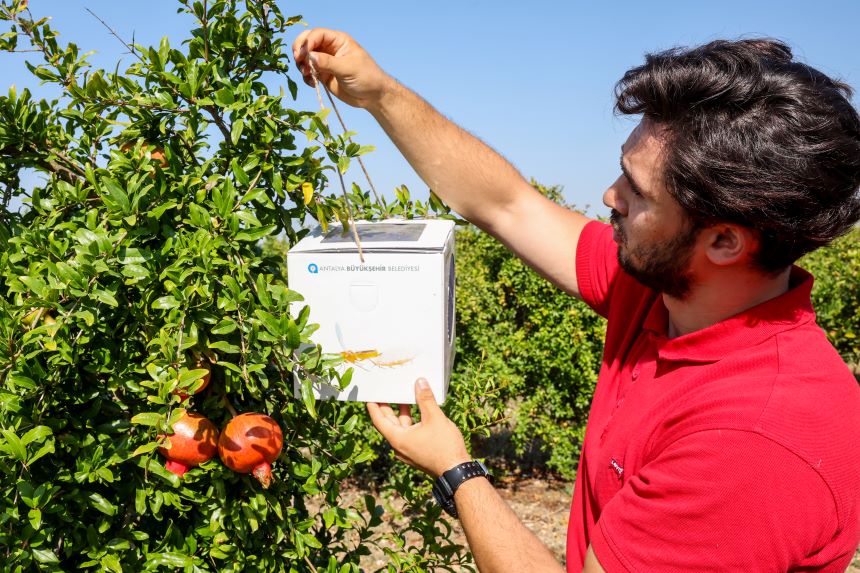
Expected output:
{"points": [[390, 235]]}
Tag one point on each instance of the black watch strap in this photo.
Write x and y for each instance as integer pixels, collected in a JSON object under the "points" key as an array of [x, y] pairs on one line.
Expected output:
{"points": [[446, 484]]}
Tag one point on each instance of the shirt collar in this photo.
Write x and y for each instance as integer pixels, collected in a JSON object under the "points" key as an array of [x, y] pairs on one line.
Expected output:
{"points": [[743, 330]]}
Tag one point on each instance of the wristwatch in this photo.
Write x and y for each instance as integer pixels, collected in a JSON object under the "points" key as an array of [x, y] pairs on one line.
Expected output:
{"points": [[447, 483]]}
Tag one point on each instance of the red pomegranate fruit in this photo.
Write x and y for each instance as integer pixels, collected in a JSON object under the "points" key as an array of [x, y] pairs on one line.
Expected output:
{"points": [[249, 444], [194, 441]]}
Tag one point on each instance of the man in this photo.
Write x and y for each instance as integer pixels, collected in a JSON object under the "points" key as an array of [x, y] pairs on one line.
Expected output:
{"points": [[724, 432]]}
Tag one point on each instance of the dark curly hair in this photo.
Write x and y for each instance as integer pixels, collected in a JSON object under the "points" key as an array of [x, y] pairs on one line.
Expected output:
{"points": [[753, 138]]}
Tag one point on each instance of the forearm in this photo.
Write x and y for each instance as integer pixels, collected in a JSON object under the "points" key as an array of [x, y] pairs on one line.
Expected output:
{"points": [[467, 174], [498, 539]]}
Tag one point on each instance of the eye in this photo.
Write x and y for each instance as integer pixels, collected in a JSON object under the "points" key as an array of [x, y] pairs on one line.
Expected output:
{"points": [[632, 187]]}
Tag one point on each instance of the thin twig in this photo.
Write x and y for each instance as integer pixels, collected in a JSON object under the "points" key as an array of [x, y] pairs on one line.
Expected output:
{"points": [[205, 24], [256, 180], [219, 121], [311, 565], [115, 35], [229, 406]]}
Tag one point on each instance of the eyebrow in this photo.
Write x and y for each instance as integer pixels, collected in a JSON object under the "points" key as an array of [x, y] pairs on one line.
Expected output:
{"points": [[633, 184]]}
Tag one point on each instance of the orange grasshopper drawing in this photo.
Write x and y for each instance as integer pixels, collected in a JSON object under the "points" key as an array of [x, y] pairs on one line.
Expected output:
{"points": [[373, 356]]}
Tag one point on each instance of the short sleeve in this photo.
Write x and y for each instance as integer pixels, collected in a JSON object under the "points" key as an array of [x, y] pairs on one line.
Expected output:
{"points": [[718, 500], [596, 266]]}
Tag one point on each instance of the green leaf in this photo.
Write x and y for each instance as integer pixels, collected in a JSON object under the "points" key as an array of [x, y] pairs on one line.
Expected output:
{"points": [[44, 555], [236, 130], [224, 346], [39, 433], [343, 164], [255, 234], [145, 449], [117, 194], [135, 271], [224, 97], [226, 326], [278, 183], [292, 334], [35, 517], [199, 216], [189, 376], [346, 377], [100, 503], [14, 445], [22, 382], [240, 174], [169, 559], [147, 419], [364, 456], [105, 297], [118, 544], [36, 285], [165, 303], [88, 317], [272, 324], [158, 211], [308, 398], [111, 563], [47, 448]]}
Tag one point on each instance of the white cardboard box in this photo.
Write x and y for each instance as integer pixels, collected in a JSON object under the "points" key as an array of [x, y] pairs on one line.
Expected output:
{"points": [[391, 317]]}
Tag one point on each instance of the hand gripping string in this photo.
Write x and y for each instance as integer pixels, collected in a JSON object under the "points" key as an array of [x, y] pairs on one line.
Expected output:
{"points": [[355, 237]]}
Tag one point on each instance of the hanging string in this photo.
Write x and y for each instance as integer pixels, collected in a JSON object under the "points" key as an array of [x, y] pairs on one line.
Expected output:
{"points": [[345, 130], [349, 214]]}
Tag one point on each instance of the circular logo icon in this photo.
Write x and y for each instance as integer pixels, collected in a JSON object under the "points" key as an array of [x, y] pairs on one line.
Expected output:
{"points": [[313, 268]]}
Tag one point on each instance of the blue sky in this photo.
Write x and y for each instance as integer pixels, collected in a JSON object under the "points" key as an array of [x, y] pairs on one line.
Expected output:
{"points": [[534, 80]]}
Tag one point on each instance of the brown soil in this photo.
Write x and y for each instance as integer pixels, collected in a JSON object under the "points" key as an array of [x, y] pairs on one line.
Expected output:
{"points": [[542, 504]]}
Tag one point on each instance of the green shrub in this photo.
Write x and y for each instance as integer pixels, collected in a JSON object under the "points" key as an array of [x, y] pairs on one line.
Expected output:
{"points": [[135, 255], [836, 293]]}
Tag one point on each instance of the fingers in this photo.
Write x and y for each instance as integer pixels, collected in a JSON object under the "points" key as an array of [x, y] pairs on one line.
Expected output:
{"points": [[385, 422], [326, 65], [426, 401], [322, 40], [298, 44], [405, 416]]}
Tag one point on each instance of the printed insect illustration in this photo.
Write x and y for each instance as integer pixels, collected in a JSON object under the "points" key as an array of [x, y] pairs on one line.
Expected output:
{"points": [[373, 356]]}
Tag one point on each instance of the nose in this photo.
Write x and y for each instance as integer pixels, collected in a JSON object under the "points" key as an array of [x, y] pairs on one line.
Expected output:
{"points": [[613, 199]]}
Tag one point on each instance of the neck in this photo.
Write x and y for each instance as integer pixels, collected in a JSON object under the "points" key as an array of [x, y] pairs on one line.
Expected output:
{"points": [[720, 297]]}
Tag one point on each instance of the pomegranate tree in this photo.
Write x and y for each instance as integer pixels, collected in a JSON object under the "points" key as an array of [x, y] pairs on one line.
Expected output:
{"points": [[132, 203]]}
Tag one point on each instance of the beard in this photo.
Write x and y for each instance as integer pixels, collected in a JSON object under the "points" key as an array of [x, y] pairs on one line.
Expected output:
{"points": [[664, 267]]}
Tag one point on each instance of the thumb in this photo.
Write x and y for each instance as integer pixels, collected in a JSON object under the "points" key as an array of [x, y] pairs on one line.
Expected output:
{"points": [[426, 400]]}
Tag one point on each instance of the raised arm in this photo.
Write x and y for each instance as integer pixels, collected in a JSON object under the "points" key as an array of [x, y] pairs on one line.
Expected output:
{"points": [[467, 174]]}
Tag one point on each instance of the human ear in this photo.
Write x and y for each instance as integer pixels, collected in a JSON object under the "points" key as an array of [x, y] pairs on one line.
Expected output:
{"points": [[727, 244]]}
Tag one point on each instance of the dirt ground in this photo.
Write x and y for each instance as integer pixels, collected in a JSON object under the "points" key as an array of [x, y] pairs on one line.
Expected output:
{"points": [[542, 504]]}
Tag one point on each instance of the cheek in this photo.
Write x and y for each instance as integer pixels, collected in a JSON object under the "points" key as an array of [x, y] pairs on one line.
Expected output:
{"points": [[646, 223]]}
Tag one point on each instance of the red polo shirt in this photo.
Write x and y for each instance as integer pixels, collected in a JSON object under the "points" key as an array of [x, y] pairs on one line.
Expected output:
{"points": [[732, 448]]}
